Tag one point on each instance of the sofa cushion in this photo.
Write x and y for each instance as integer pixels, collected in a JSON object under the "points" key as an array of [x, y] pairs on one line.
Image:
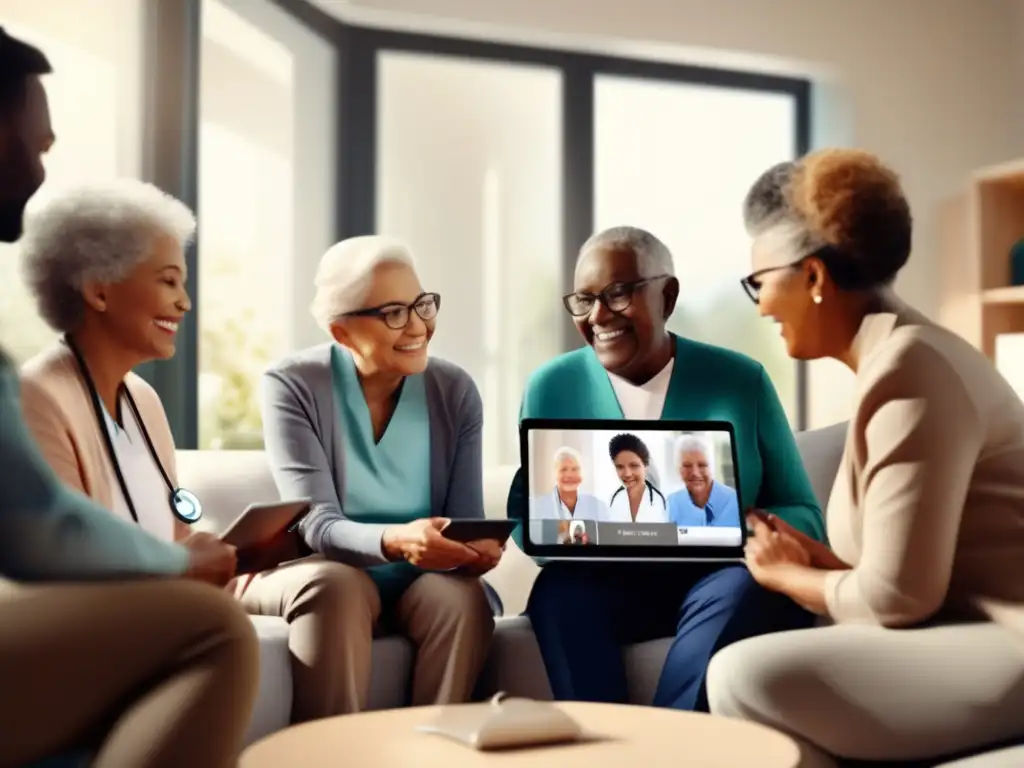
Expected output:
{"points": [[273, 709], [821, 451], [226, 482], [514, 664]]}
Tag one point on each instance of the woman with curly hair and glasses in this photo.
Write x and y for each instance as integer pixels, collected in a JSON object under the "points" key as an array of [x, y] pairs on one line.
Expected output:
{"points": [[924, 581]]}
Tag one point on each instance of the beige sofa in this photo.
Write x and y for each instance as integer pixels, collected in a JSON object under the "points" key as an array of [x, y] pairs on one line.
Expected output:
{"points": [[226, 481]]}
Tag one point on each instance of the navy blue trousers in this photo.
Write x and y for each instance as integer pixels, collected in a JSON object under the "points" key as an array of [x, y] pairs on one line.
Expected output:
{"points": [[583, 613]]}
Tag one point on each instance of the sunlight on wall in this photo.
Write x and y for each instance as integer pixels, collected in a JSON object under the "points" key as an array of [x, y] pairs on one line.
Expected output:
{"points": [[95, 105]]}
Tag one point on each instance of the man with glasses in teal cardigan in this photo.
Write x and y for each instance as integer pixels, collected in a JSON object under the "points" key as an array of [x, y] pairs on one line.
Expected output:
{"points": [[584, 612]]}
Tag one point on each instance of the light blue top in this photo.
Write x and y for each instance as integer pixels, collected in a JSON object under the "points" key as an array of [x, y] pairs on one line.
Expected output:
{"points": [[387, 482], [721, 511], [49, 532], [549, 506]]}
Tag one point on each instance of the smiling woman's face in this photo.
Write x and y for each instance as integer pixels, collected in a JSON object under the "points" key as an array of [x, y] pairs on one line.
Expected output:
{"points": [[143, 311], [630, 469], [567, 471], [401, 351], [785, 285]]}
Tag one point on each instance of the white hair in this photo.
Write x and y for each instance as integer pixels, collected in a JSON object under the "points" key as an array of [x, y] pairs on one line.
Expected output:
{"points": [[565, 452], [695, 444], [343, 277], [95, 233], [653, 257]]}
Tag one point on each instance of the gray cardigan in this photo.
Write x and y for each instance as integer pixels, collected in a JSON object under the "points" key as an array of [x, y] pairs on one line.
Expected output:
{"points": [[302, 435]]}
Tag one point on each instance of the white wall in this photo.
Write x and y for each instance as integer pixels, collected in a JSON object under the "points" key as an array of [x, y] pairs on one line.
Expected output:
{"points": [[933, 86]]}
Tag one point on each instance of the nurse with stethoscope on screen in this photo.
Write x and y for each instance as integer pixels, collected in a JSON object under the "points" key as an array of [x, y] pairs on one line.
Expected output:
{"points": [[636, 500], [566, 501]]}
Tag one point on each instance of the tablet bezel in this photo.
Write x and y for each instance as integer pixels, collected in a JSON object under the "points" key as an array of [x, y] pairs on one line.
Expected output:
{"points": [[623, 553], [284, 515]]}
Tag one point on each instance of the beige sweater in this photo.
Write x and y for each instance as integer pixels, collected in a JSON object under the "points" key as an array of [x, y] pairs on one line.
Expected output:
{"points": [[928, 504], [60, 415]]}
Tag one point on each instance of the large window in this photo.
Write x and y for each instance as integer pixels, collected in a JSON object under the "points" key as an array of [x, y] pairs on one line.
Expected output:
{"points": [[677, 160], [496, 162], [290, 130], [96, 104], [266, 203], [469, 173]]}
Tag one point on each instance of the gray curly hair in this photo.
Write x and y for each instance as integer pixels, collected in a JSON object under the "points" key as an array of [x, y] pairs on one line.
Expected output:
{"points": [[95, 233]]}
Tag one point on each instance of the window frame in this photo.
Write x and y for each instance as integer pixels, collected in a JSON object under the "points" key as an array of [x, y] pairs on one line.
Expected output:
{"points": [[175, 66]]}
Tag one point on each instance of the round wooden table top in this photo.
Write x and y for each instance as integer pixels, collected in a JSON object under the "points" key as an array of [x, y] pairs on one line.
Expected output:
{"points": [[627, 737]]}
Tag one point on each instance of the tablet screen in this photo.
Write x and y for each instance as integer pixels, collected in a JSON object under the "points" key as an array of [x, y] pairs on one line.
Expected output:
{"points": [[632, 490]]}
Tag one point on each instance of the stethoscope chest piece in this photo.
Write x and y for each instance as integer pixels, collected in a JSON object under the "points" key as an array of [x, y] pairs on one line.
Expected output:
{"points": [[186, 506]]}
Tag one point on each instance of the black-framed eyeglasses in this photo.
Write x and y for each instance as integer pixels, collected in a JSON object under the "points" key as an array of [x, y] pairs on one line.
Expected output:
{"points": [[831, 256], [396, 316], [616, 297], [752, 282]]}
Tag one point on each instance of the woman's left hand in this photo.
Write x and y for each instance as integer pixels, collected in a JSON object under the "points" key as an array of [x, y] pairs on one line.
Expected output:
{"points": [[490, 555], [769, 552]]}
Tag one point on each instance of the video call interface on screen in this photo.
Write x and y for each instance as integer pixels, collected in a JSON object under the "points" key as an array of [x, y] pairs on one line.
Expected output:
{"points": [[633, 488]]}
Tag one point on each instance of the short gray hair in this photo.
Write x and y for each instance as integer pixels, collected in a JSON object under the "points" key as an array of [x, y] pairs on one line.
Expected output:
{"points": [[695, 443], [95, 233], [343, 277], [565, 452], [653, 258]]}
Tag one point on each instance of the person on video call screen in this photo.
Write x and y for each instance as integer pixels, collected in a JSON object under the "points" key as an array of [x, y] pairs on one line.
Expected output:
{"points": [[704, 501], [566, 501], [573, 533], [637, 500]]}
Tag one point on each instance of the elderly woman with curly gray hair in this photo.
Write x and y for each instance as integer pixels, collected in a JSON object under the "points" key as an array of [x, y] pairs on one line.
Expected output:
{"points": [[106, 266]]}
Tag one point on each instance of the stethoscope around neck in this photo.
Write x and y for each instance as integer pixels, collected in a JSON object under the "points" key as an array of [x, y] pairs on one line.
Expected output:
{"points": [[651, 490], [184, 504]]}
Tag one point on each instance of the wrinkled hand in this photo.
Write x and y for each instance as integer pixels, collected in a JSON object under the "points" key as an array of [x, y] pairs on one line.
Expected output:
{"points": [[821, 555], [421, 543], [768, 552], [210, 559], [490, 552]]}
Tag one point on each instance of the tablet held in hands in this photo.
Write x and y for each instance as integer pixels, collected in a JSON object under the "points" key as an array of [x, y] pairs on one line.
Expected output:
{"points": [[265, 535]]}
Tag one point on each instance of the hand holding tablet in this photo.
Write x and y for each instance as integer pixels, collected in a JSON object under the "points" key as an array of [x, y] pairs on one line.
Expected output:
{"points": [[421, 543], [265, 534]]}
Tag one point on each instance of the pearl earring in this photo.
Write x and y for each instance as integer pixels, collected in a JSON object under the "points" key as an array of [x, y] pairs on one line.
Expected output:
{"points": [[816, 298]]}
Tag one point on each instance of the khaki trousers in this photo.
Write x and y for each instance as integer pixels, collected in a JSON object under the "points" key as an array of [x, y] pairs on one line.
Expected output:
{"points": [[333, 611], [868, 693], [144, 674]]}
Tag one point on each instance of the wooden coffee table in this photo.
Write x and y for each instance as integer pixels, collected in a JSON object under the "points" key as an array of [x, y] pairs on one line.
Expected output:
{"points": [[634, 737]]}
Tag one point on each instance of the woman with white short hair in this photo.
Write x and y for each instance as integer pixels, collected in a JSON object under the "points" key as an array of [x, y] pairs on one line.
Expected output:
{"points": [[106, 265], [566, 501], [387, 443], [704, 500]]}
